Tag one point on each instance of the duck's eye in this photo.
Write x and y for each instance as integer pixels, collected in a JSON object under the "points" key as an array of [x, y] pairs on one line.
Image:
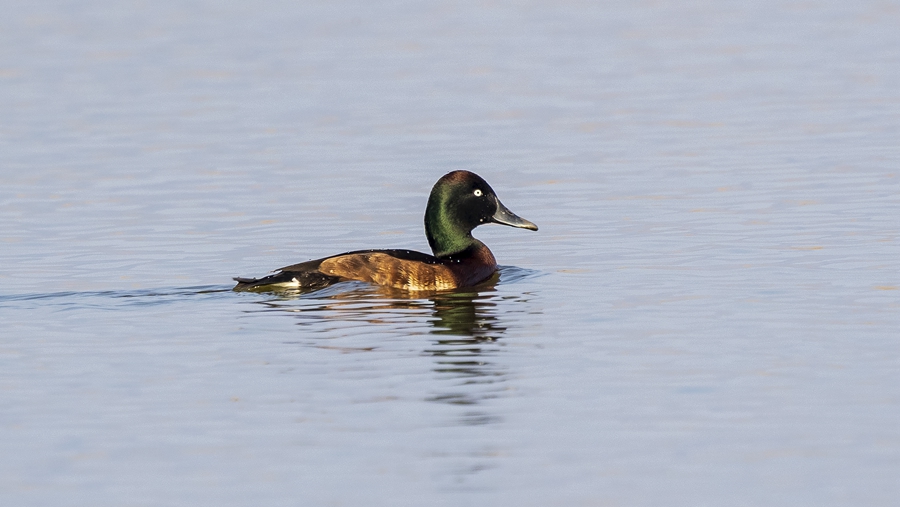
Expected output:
{"points": [[477, 192]]}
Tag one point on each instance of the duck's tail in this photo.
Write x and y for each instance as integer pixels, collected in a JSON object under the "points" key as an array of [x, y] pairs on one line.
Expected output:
{"points": [[299, 280]]}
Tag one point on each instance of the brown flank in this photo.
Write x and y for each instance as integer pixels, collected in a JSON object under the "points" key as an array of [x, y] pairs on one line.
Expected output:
{"points": [[384, 269]]}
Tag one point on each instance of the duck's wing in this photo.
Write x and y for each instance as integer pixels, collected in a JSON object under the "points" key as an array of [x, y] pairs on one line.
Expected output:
{"points": [[406, 255], [400, 269], [396, 268]]}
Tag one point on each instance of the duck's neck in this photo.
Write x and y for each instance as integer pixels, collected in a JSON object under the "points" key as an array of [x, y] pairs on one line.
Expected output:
{"points": [[445, 236]]}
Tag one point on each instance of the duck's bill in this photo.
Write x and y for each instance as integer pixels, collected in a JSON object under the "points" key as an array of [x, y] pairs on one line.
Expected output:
{"points": [[505, 217]]}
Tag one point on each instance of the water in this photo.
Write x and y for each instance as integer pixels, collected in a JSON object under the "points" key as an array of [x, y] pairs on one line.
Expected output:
{"points": [[708, 315]]}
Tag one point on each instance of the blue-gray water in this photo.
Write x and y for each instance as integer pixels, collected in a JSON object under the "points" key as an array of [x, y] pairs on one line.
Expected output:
{"points": [[709, 314]]}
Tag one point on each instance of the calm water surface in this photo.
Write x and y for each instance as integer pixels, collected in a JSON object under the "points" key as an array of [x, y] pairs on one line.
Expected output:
{"points": [[709, 314]]}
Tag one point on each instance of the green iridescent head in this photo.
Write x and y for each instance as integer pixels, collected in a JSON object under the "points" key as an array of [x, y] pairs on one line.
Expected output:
{"points": [[459, 202]]}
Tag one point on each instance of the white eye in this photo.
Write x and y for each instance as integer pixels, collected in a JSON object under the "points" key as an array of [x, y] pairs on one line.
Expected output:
{"points": [[477, 193]]}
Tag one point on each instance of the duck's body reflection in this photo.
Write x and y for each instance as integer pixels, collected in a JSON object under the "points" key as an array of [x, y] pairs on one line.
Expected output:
{"points": [[463, 332], [466, 327]]}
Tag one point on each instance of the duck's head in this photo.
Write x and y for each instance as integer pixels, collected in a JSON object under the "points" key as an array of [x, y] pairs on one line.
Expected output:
{"points": [[459, 202]]}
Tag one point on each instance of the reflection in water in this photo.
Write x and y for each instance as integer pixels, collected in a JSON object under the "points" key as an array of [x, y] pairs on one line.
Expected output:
{"points": [[463, 333], [466, 326]]}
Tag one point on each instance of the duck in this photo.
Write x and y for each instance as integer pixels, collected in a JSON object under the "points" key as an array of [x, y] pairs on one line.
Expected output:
{"points": [[459, 202]]}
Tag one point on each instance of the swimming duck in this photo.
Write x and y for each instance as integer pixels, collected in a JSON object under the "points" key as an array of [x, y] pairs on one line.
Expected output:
{"points": [[459, 202]]}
